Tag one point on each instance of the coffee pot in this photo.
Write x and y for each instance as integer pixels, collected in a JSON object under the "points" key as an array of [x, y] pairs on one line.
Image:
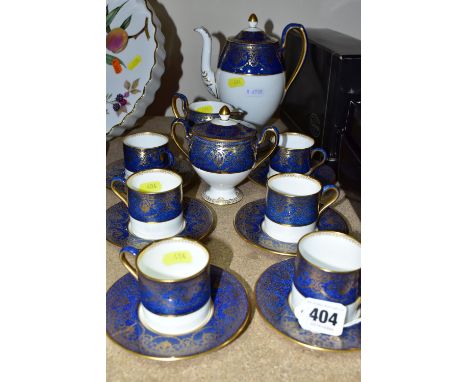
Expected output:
{"points": [[250, 74]]}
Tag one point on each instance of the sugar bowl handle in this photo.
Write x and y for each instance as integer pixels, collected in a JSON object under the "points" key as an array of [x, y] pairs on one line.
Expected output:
{"points": [[272, 130], [133, 251], [184, 101], [184, 123], [120, 195], [326, 189]]}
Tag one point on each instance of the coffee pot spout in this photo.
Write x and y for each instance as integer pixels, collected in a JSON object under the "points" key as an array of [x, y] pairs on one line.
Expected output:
{"points": [[207, 74]]}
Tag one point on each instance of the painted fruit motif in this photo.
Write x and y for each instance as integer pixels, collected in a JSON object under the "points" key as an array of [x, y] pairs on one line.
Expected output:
{"points": [[117, 40]]}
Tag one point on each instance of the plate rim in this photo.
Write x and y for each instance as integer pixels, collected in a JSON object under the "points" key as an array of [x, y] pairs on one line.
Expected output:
{"points": [[148, 95], [306, 345], [290, 255], [208, 232], [242, 328]]}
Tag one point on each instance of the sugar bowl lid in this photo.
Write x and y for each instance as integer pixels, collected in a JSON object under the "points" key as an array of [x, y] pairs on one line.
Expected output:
{"points": [[252, 35], [224, 128]]}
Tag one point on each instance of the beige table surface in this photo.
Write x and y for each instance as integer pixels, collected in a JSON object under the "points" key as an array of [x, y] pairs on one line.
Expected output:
{"points": [[259, 354]]}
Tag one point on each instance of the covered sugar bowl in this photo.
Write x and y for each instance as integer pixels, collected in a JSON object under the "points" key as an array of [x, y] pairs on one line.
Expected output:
{"points": [[223, 152]]}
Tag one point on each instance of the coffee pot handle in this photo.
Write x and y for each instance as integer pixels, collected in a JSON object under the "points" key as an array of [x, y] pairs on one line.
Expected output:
{"points": [[184, 101], [329, 202], [324, 158], [271, 130], [300, 28], [120, 195], [133, 251], [184, 123]]}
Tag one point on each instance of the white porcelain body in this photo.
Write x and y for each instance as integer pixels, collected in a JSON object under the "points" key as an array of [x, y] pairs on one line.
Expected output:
{"points": [[285, 233], [176, 325], [259, 95], [353, 311], [222, 186], [157, 231]]}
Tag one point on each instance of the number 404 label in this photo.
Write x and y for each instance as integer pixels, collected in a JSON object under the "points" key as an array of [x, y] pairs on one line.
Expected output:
{"points": [[320, 316]]}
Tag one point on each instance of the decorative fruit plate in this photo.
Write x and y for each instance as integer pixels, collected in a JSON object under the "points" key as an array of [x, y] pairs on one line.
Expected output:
{"points": [[134, 62]]}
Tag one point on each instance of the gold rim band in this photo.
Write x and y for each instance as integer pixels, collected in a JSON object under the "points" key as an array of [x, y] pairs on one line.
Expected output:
{"points": [[293, 175], [155, 170], [146, 133], [328, 233], [143, 251]]}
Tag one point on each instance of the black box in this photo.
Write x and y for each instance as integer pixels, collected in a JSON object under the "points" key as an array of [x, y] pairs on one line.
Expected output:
{"points": [[319, 101]]}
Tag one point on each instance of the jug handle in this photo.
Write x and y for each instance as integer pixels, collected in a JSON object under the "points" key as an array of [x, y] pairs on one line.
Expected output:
{"points": [[300, 28], [274, 131], [180, 145]]}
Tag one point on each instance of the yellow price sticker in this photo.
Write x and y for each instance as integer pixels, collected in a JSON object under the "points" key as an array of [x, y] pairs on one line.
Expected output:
{"points": [[177, 257], [205, 109], [134, 63], [236, 82], [153, 186]]}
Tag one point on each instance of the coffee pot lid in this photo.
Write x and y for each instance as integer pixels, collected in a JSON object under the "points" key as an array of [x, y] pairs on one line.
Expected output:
{"points": [[252, 35], [224, 128]]}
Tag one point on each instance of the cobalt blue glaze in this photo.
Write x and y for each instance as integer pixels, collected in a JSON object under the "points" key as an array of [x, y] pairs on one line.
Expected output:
{"points": [[271, 295], [258, 59], [174, 298], [291, 210], [300, 161], [192, 117], [254, 52], [231, 312], [153, 207], [222, 157], [314, 282], [138, 159], [248, 224], [199, 221], [223, 149]]}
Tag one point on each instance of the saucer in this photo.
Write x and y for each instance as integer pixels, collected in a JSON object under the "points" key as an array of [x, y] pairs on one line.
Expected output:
{"points": [[271, 295], [248, 224], [230, 318], [200, 221], [324, 174], [181, 166]]}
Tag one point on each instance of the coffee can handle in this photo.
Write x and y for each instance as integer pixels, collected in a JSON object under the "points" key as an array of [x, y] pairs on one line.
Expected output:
{"points": [[120, 195], [123, 259], [322, 161], [170, 157], [326, 189]]}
